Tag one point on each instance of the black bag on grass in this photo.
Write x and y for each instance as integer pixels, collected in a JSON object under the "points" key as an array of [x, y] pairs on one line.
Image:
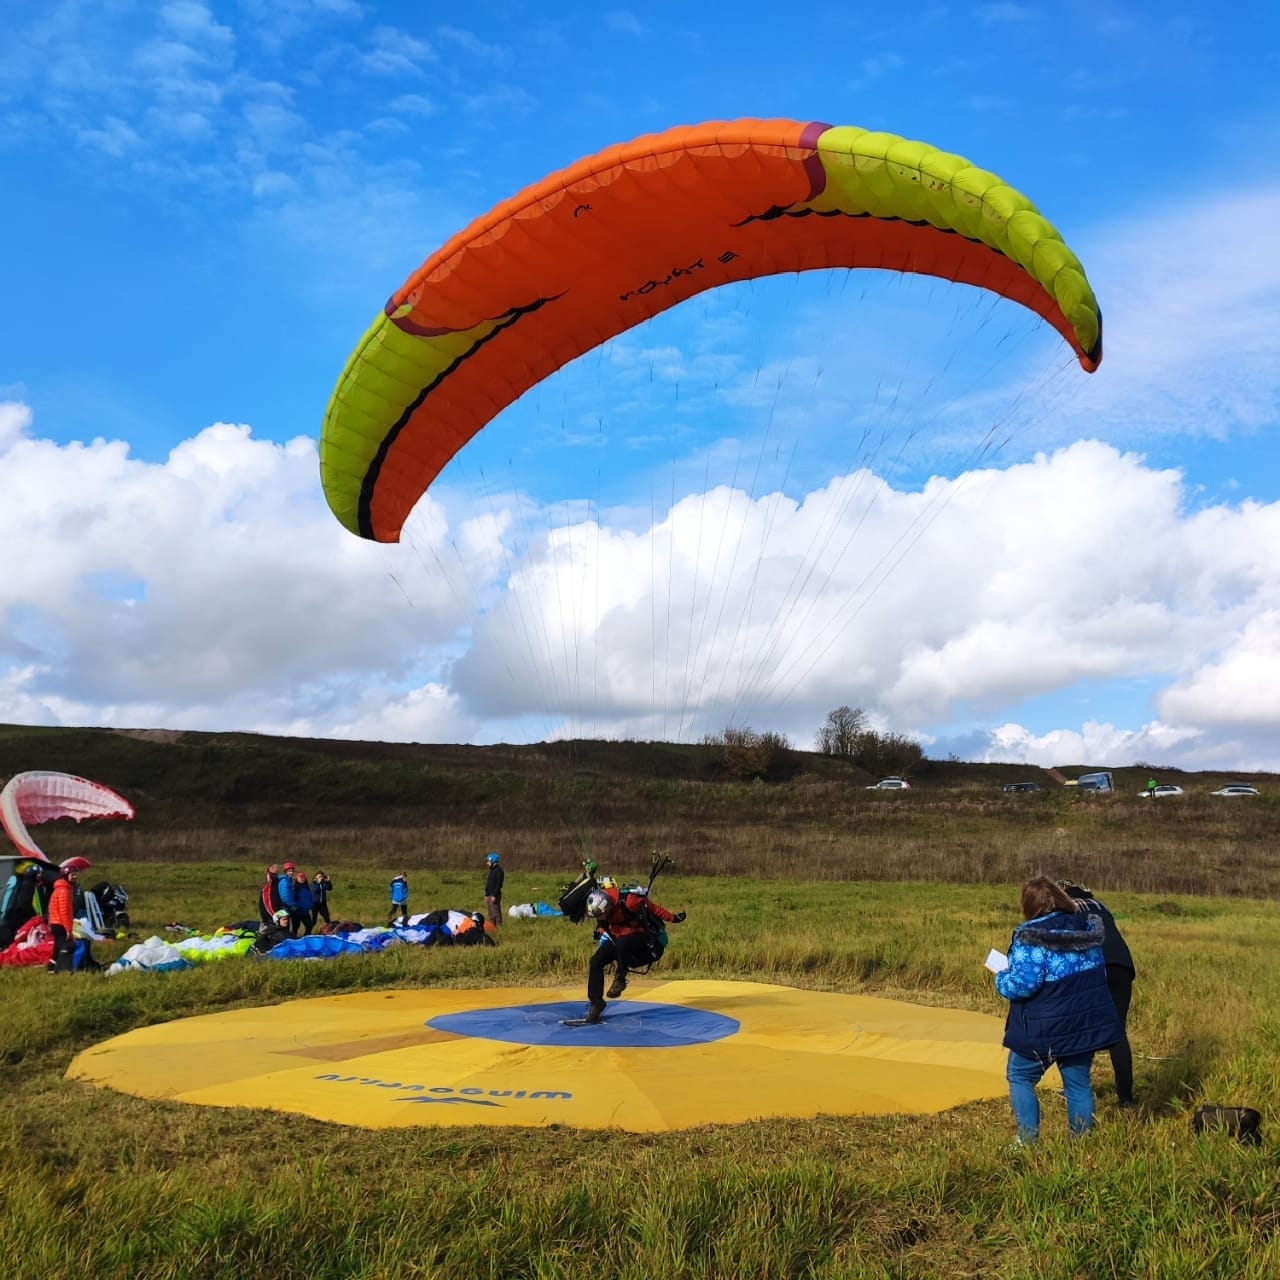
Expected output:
{"points": [[573, 897]]}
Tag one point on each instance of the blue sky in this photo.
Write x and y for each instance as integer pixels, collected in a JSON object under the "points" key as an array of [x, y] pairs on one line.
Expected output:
{"points": [[207, 203]]}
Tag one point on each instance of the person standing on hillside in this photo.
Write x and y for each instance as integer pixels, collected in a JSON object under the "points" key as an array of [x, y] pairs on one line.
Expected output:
{"points": [[399, 900], [493, 888], [1120, 976], [1060, 1011]]}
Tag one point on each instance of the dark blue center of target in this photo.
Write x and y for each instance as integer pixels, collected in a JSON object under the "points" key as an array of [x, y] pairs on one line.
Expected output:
{"points": [[632, 1025]]}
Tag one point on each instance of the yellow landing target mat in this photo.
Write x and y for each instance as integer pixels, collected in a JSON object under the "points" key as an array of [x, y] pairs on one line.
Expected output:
{"points": [[672, 1055]]}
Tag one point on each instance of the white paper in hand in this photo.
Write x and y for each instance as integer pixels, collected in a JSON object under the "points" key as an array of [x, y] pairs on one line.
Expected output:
{"points": [[996, 961]]}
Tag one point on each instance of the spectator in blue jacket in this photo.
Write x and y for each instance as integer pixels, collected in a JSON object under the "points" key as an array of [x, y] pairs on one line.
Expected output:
{"points": [[303, 918], [1060, 1011], [284, 891], [400, 900]]}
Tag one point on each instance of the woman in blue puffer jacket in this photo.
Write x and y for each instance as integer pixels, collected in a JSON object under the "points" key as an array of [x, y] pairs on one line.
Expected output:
{"points": [[1060, 1010]]}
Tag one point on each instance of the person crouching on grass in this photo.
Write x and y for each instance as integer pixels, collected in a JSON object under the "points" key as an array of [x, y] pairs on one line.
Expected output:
{"points": [[1060, 1010]]}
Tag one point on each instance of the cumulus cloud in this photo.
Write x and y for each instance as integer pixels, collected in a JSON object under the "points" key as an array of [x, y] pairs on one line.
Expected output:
{"points": [[1190, 311], [1083, 565], [214, 589]]}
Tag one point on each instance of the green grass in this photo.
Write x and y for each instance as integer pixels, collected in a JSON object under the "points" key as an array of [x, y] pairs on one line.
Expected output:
{"points": [[808, 879], [95, 1183]]}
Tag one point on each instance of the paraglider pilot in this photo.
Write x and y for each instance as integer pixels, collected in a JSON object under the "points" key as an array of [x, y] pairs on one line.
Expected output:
{"points": [[629, 932]]}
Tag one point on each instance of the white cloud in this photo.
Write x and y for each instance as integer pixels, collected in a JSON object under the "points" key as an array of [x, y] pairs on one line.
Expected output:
{"points": [[1241, 688], [392, 52], [1094, 743], [211, 588], [624, 22], [15, 418], [471, 44], [413, 104], [1081, 565], [192, 21], [114, 137], [1190, 307]]}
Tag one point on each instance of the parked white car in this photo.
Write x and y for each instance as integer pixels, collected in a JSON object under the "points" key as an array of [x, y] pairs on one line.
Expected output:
{"points": [[890, 784], [1168, 789], [1236, 789]]}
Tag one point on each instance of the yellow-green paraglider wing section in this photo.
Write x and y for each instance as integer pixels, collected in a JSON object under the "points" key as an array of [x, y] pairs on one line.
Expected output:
{"points": [[885, 176]]}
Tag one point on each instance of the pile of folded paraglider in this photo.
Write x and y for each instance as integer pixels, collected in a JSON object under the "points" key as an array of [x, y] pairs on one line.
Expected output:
{"points": [[274, 941]]}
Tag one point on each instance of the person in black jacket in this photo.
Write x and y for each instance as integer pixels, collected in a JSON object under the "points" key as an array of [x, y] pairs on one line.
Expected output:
{"points": [[321, 887], [1120, 976], [493, 888], [273, 933]]}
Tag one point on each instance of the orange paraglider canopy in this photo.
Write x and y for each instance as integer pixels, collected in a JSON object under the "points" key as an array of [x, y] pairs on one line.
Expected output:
{"points": [[591, 251]]}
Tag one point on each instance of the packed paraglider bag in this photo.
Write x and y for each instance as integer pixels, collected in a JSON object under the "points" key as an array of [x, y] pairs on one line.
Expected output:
{"points": [[573, 897]]}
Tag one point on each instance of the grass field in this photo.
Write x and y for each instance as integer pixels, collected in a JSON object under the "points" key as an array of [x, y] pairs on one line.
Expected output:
{"points": [[101, 1184], [812, 883]]}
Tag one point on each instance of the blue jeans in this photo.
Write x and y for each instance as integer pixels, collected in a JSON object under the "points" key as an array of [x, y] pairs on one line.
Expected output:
{"points": [[1024, 1074]]}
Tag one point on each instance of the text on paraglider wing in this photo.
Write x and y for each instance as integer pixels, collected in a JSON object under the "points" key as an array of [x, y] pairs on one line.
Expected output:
{"points": [[675, 273]]}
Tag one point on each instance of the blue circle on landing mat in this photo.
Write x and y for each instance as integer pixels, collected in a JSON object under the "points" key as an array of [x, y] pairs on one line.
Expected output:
{"points": [[633, 1025]]}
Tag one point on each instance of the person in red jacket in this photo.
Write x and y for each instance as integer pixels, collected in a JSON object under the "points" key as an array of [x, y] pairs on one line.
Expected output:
{"points": [[269, 897], [62, 916], [629, 933]]}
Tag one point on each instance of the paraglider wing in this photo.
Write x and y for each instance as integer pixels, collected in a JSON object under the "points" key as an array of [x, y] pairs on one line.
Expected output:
{"points": [[28, 799], [620, 236]]}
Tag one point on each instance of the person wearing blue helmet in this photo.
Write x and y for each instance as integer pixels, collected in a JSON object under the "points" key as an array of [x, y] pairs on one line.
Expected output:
{"points": [[493, 887]]}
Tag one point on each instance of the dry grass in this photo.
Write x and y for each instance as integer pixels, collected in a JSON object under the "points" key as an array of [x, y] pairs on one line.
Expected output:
{"points": [[813, 881]]}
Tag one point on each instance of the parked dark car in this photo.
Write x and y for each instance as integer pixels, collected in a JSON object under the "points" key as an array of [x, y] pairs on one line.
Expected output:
{"points": [[1022, 786]]}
